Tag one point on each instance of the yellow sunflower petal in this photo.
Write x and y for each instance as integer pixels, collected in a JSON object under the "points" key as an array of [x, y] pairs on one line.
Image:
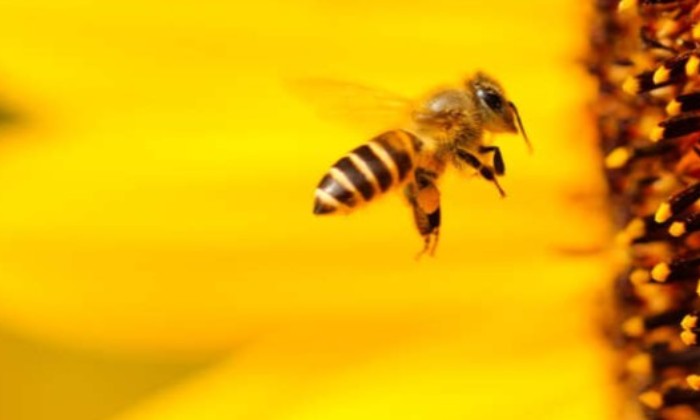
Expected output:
{"points": [[414, 368], [161, 202]]}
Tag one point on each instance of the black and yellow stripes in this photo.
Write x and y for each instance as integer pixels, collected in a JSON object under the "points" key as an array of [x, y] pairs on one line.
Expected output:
{"points": [[381, 174], [369, 170], [362, 182]]}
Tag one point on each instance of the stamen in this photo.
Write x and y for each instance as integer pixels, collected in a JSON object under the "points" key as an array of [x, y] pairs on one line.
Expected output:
{"points": [[644, 230], [618, 157], [637, 325], [626, 4], [639, 277], [694, 381], [672, 71], [670, 397], [685, 225], [677, 203], [621, 156], [684, 103], [689, 338], [652, 399], [675, 127], [677, 270]]}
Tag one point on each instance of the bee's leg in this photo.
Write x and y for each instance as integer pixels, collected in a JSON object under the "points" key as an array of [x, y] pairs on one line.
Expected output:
{"points": [[485, 171], [498, 165], [424, 197]]}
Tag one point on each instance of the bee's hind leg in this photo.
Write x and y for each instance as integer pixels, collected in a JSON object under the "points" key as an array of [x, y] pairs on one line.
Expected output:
{"points": [[424, 197]]}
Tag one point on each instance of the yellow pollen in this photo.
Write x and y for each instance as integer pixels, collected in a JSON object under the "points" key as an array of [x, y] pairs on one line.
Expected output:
{"points": [[633, 327], [667, 28], [660, 272], [639, 277], [673, 108], [626, 5], [661, 75], [651, 399], [622, 239], [657, 133], [631, 85], [677, 229], [663, 213], [696, 32], [617, 158], [689, 322], [697, 289], [694, 381], [691, 67], [640, 364], [689, 338], [635, 229]]}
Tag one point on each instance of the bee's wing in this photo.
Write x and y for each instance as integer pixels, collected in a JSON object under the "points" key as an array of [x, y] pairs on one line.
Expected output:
{"points": [[354, 105]]}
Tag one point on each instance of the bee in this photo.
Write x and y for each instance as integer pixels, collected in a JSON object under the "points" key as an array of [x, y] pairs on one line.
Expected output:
{"points": [[447, 128]]}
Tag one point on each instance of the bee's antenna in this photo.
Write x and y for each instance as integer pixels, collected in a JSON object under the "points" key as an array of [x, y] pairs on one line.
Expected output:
{"points": [[520, 126]]}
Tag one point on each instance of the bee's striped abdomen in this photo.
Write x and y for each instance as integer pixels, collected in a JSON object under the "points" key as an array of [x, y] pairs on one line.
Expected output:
{"points": [[369, 170]]}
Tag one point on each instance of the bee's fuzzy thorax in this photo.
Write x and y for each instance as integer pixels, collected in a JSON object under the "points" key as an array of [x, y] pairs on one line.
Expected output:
{"points": [[646, 58]]}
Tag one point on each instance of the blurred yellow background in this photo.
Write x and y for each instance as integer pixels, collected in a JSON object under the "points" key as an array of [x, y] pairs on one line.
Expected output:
{"points": [[159, 258]]}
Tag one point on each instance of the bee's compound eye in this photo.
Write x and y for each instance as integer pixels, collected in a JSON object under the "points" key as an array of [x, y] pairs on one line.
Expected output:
{"points": [[491, 98]]}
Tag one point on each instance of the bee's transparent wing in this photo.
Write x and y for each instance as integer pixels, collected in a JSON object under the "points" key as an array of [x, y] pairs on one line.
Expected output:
{"points": [[355, 105]]}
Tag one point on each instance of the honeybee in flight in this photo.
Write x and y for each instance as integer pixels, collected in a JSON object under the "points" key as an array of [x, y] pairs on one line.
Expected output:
{"points": [[448, 127]]}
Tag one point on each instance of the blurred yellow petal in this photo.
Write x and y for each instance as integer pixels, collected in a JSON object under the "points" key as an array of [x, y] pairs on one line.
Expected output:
{"points": [[161, 203], [42, 381], [414, 368]]}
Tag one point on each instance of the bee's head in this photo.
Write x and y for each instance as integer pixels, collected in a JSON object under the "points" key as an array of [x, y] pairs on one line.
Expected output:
{"points": [[498, 113]]}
